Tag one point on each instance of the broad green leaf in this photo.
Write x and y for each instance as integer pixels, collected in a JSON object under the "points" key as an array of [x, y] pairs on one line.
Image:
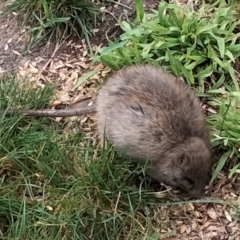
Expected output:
{"points": [[225, 142], [174, 64], [230, 55], [205, 73], [108, 50], [234, 49], [202, 75], [161, 10], [233, 25], [174, 18], [221, 46], [224, 25], [126, 26], [235, 134], [223, 12], [146, 49], [167, 45], [197, 58], [138, 33], [234, 170], [190, 65], [174, 29], [205, 28], [219, 82], [159, 44], [139, 10], [220, 165], [232, 74], [235, 94], [156, 28], [45, 7], [213, 56]]}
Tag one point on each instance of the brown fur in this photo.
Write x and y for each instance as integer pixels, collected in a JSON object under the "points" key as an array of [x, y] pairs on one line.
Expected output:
{"points": [[148, 114]]}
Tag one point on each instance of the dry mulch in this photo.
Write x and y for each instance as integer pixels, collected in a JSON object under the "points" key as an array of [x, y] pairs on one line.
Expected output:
{"points": [[66, 64]]}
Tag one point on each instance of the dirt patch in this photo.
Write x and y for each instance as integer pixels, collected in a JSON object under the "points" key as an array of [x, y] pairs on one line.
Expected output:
{"points": [[14, 39], [12, 42], [112, 12]]}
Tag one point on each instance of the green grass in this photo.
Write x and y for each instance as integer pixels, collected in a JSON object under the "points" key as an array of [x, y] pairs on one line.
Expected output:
{"points": [[53, 187], [55, 20]]}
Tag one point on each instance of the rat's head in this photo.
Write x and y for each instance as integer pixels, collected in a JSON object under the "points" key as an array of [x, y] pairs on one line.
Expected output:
{"points": [[187, 167]]}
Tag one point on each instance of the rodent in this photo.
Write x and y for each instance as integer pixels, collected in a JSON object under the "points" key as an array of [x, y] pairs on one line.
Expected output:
{"points": [[147, 113], [150, 115]]}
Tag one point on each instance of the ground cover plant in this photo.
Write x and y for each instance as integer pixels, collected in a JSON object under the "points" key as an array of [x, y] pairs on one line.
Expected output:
{"points": [[55, 20], [58, 185], [225, 130], [193, 43]]}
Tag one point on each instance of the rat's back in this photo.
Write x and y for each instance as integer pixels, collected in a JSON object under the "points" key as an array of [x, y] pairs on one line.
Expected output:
{"points": [[146, 111], [148, 114]]}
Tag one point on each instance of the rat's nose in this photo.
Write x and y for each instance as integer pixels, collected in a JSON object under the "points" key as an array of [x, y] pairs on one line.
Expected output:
{"points": [[196, 193]]}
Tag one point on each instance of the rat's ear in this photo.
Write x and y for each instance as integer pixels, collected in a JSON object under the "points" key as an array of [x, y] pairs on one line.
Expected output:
{"points": [[182, 161]]}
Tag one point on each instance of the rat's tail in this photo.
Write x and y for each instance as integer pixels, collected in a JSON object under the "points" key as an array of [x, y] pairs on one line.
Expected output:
{"points": [[69, 112]]}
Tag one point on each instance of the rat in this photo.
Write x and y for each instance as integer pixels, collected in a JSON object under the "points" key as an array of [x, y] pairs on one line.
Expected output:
{"points": [[149, 115]]}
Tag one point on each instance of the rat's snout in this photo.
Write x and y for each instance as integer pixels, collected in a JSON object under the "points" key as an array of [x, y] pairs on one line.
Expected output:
{"points": [[196, 192], [193, 193]]}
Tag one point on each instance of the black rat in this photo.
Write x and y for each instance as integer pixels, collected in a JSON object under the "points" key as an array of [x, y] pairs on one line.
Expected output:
{"points": [[150, 115]]}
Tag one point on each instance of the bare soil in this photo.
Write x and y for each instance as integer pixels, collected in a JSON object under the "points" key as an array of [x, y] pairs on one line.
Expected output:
{"points": [[14, 39]]}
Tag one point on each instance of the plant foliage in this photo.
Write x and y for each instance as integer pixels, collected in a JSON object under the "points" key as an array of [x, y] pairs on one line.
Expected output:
{"points": [[194, 44]]}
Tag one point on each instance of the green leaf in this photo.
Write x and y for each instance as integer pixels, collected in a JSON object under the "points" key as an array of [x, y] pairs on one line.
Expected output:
{"points": [[45, 7], [220, 165], [213, 56], [234, 170], [234, 49], [230, 55], [221, 46], [146, 49], [126, 26], [219, 82], [108, 50], [60, 20], [205, 28], [205, 73], [232, 74], [139, 9]]}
